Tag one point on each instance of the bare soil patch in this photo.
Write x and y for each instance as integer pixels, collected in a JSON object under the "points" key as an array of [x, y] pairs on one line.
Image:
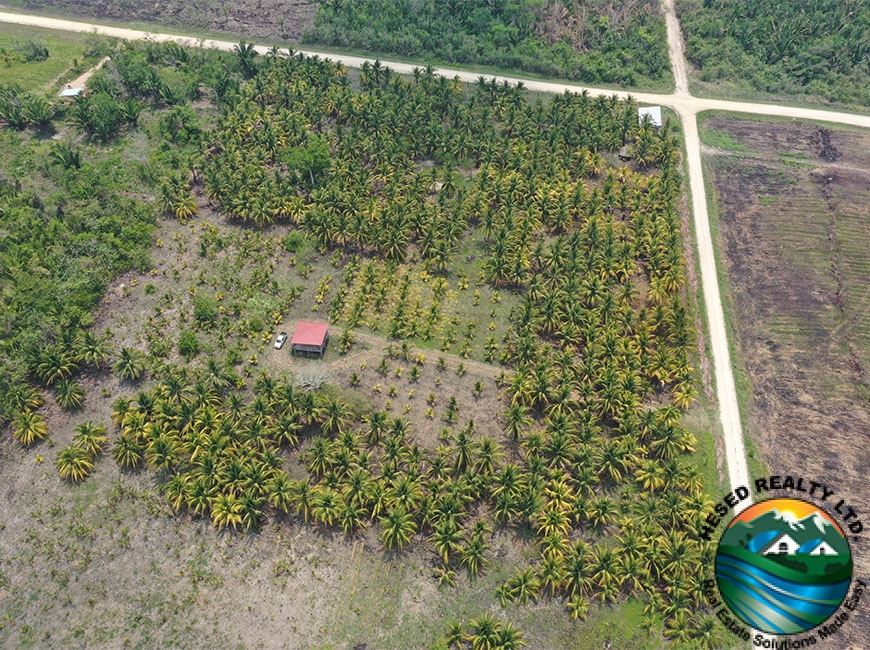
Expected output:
{"points": [[793, 224]]}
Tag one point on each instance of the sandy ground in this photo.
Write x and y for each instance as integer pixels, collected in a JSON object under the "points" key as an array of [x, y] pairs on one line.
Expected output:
{"points": [[82, 80], [675, 48]]}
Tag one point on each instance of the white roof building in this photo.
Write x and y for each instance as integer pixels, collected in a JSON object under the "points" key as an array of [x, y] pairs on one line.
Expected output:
{"points": [[653, 112], [71, 92]]}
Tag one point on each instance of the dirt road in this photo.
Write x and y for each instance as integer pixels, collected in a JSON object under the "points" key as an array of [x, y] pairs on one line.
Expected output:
{"points": [[726, 393], [675, 48], [683, 104], [81, 81]]}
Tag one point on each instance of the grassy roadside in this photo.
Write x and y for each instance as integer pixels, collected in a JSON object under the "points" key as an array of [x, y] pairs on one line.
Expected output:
{"points": [[707, 90], [66, 57], [711, 138], [742, 383]]}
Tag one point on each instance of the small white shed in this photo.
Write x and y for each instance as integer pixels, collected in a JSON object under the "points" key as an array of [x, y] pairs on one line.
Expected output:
{"points": [[653, 112]]}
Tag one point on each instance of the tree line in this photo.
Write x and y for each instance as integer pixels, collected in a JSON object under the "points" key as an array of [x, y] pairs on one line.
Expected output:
{"points": [[596, 42], [819, 49]]}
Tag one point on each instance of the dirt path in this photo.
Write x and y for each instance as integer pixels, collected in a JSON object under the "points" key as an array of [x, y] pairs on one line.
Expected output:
{"points": [[452, 361], [675, 48], [80, 82]]}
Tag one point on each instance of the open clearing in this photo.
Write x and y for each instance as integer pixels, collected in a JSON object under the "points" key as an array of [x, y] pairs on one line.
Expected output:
{"points": [[108, 564], [57, 68], [792, 202]]}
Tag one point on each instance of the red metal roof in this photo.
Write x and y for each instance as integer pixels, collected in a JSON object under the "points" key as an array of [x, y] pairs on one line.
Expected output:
{"points": [[309, 333]]}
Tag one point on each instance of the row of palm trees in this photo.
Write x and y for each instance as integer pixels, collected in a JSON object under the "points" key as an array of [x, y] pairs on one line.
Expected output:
{"points": [[484, 633]]}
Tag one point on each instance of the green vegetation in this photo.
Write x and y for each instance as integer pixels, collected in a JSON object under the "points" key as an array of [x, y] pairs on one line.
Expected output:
{"points": [[60, 247], [819, 50], [597, 42], [484, 632], [71, 219], [467, 218], [36, 58]]}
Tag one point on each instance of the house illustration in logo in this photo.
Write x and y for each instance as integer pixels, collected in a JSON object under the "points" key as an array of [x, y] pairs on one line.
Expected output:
{"points": [[784, 544]]}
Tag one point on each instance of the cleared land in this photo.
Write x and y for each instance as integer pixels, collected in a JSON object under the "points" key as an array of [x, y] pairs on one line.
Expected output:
{"points": [[249, 18], [792, 202]]}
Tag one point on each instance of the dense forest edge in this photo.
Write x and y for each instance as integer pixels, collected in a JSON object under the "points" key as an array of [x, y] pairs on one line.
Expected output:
{"points": [[817, 51], [595, 42]]}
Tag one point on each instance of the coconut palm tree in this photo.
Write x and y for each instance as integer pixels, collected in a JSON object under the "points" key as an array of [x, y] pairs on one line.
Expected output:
{"points": [[127, 452], [29, 428], [377, 426], [90, 437], [472, 555], [333, 415], [227, 510], [523, 586], [74, 464], [578, 607], [397, 528], [326, 505], [93, 350], [130, 365]]}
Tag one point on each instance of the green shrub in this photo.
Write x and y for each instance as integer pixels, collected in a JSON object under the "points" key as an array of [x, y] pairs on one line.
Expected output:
{"points": [[32, 51], [294, 242], [204, 311], [188, 346]]}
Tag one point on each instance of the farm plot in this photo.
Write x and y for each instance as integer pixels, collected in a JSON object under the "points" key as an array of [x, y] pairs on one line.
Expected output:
{"points": [[498, 418], [792, 204]]}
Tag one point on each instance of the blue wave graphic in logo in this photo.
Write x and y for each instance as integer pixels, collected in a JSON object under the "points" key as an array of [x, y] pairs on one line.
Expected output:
{"points": [[774, 604]]}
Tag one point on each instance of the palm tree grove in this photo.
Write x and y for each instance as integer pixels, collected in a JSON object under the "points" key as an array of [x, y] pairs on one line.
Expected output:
{"points": [[487, 245]]}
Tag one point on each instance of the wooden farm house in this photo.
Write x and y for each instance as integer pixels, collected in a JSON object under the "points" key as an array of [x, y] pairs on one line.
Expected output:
{"points": [[310, 339]]}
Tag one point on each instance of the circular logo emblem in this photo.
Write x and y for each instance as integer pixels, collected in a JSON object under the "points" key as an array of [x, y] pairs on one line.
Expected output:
{"points": [[783, 566]]}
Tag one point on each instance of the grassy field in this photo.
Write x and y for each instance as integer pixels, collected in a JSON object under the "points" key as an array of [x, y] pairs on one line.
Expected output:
{"points": [[792, 223], [66, 57]]}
